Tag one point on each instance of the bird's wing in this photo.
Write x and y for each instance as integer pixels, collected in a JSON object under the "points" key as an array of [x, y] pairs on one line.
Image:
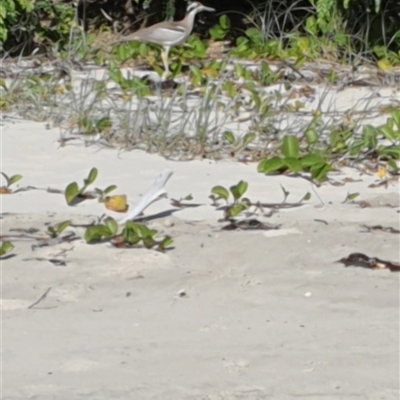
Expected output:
{"points": [[163, 33]]}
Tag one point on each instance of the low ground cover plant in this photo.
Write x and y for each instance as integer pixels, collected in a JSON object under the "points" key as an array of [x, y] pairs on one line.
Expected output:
{"points": [[132, 235], [10, 180], [292, 160], [240, 211], [74, 194]]}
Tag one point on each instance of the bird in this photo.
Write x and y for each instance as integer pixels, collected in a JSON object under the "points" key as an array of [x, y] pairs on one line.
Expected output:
{"points": [[168, 33]]}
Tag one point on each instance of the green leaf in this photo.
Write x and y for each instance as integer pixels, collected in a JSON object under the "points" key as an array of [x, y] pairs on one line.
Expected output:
{"points": [[320, 171], [306, 197], [130, 226], [265, 69], [111, 225], [290, 146], [351, 197], [14, 179], [242, 41], [396, 118], [143, 49], [255, 35], [388, 132], [266, 75], [255, 97], [71, 191], [146, 232], [96, 233], [271, 165], [3, 12], [91, 177], [166, 242], [217, 32], [229, 137], [197, 75], [393, 166], [236, 209], [239, 70], [121, 54], [248, 138], [230, 88], [197, 47], [341, 38], [130, 235], [294, 164], [188, 197], [311, 136], [109, 189], [239, 190], [338, 140], [390, 152], [220, 192], [103, 124], [132, 238], [62, 226], [311, 159], [139, 230], [311, 26], [369, 137], [149, 242], [5, 248], [224, 22], [356, 148], [52, 231], [300, 61]]}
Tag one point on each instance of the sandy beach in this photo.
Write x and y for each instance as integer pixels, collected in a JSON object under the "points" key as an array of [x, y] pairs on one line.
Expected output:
{"points": [[223, 314]]}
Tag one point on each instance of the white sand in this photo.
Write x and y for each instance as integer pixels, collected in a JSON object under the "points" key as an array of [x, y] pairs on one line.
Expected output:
{"points": [[264, 317]]}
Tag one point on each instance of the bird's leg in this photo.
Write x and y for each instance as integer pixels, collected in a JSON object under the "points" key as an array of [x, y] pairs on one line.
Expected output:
{"points": [[164, 57]]}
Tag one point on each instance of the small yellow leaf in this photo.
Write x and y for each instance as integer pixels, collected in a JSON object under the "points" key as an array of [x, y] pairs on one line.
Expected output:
{"points": [[303, 44], [381, 172], [385, 65], [116, 203], [150, 58], [210, 72]]}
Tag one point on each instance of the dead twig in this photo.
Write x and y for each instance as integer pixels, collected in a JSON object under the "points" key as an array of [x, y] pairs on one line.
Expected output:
{"points": [[41, 298]]}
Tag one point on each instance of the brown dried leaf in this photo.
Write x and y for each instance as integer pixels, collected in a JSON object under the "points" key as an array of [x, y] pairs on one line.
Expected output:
{"points": [[363, 204], [336, 183], [351, 180], [364, 261], [249, 224], [307, 91], [388, 229], [4, 190], [379, 184], [119, 242]]}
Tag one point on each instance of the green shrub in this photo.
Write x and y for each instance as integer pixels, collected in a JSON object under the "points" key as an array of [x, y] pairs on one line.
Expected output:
{"points": [[10, 12], [27, 24]]}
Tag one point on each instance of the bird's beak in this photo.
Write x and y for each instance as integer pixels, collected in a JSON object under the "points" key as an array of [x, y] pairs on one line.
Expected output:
{"points": [[204, 8]]}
